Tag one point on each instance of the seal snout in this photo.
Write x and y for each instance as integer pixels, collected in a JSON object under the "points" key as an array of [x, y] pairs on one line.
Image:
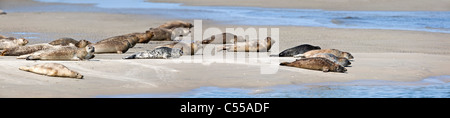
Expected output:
{"points": [[79, 76]]}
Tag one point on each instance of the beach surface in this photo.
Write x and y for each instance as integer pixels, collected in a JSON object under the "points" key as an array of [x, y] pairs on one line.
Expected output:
{"points": [[393, 55]]}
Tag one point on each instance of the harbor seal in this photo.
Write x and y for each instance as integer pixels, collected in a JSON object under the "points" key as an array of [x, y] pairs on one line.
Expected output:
{"points": [[131, 39], [224, 38], [63, 41], [52, 69], [250, 46], [298, 50], [176, 24], [2, 12], [335, 52], [112, 45], [161, 34], [189, 49], [67, 41], [142, 37], [22, 50], [316, 63], [64, 53], [12, 42], [338, 60], [157, 53], [2, 37]]}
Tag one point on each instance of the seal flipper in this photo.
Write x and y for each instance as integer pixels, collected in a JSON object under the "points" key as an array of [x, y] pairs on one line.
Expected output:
{"points": [[130, 57], [325, 69], [4, 52], [299, 56], [32, 58]]}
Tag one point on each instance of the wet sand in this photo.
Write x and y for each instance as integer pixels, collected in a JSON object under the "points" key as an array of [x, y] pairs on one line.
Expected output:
{"points": [[379, 54]]}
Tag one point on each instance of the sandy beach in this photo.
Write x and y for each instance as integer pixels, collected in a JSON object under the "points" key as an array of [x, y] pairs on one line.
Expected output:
{"points": [[379, 54]]}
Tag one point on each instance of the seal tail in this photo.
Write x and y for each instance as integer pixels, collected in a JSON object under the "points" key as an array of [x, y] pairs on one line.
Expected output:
{"points": [[284, 63], [4, 52], [24, 68], [274, 56]]}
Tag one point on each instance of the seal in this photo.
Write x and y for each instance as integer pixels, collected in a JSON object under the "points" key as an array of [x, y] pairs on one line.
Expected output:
{"points": [[157, 53], [22, 50], [338, 60], [112, 45], [80, 44], [52, 69], [250, 46], [190, 49], [335, 52], [316, 63], [63, 41], [12, 42], [224, 38], [300, 49], [131, 39], [161, 34], [176, 24], [64, 53], [2, 37], [2, 12], [67, 41], [142, 37]]}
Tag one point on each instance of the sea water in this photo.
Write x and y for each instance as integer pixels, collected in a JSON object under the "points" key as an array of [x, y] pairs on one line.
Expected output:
{"points": [[433, 87], [430, 21]]}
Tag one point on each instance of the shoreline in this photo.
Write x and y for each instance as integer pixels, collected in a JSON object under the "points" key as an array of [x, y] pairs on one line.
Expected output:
{"points": [[392, 55], [386, 20], [333, 5]]}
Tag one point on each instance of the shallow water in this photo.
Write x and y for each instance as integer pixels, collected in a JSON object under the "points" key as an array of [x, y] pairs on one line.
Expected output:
{"points": [[398, 20], [433, 87]]}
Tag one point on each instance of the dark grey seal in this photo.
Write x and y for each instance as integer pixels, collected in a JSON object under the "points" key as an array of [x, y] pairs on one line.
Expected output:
{"points": [[298, 50]]}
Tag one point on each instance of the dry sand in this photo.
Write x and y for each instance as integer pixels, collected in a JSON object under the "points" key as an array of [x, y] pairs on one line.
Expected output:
{"points": [[346, 5], [379, 54]]}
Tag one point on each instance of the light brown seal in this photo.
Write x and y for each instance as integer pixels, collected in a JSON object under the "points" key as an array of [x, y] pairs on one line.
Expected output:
{"points": [[2, 37], [70, 53], [316, 63], [250, 46], [338, 60], [161, 34], [131, 39], [68, 41], [22, 50], [117, 44], [63, 41], [176, 24], [188, 49], [12, 42], [142, 37], [52, 69], [335, 52], [223, 38]]}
